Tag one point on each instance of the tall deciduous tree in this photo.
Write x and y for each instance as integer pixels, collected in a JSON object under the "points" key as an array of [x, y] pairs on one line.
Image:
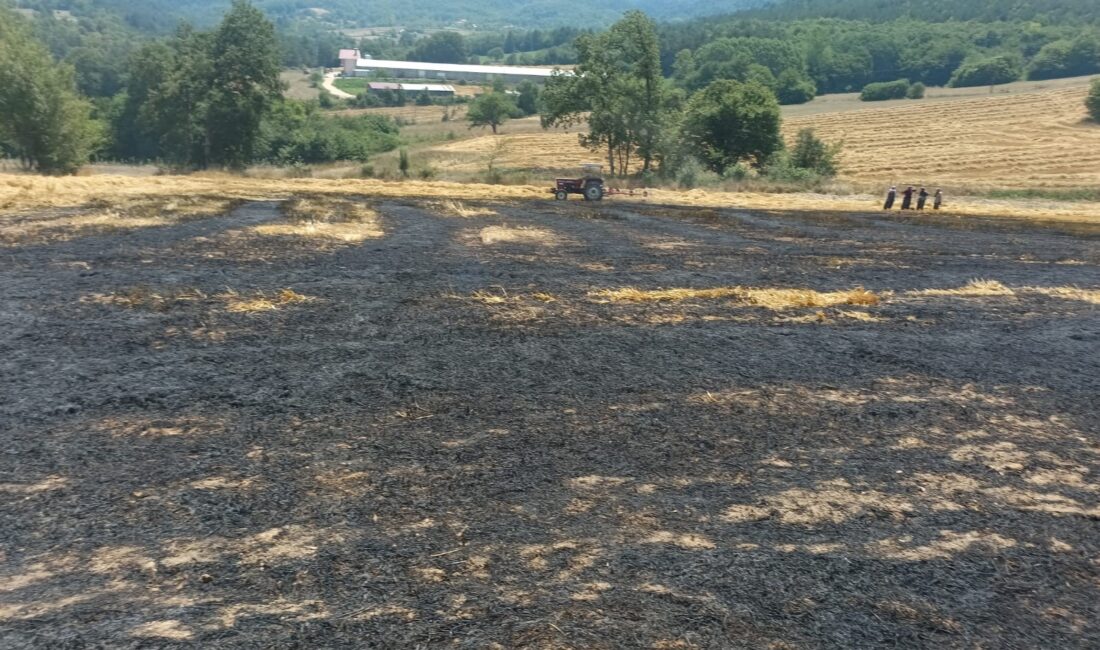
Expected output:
{"points": [[42, 118], [618, 88], [728, 122], [244, 83]]}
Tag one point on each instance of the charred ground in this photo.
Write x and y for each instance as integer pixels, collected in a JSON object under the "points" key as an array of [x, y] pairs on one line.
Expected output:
{"points": [[446, 425]]}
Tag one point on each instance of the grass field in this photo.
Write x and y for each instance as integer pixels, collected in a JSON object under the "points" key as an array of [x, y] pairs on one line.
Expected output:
{"points": [[248, 413]]}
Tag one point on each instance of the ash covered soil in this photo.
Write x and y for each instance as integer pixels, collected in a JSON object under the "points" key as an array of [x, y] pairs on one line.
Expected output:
{"points": [[444, 435]]}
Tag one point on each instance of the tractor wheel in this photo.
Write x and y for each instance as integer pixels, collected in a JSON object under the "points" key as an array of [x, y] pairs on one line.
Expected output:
{"points": [[593, 192], [561, 195]]}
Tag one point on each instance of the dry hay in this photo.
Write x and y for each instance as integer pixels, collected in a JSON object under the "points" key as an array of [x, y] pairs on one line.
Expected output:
{"points": [[993, 288], [517, 235], [773, 299], [326, 218], [453, 208], [972, 288], [163, 300], [101, 216]]}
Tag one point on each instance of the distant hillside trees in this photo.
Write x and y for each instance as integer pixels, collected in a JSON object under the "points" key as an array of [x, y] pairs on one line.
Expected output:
{"points": [[1092, 102], [777, 64], [442, 47], [43, 121], [1066, 58]]}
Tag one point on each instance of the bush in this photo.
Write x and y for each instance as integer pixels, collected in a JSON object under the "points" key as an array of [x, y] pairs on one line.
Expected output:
{"points": [[1092, 102], [738, 172], [883, 91], [1000, 69], [689, 172], [403, 162], [297, 133], [782, 168], [916, 91]]}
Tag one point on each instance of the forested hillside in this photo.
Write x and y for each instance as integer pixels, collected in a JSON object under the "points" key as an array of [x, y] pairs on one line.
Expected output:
{"points": [[160, 15], [935, 42], [986, 11]]}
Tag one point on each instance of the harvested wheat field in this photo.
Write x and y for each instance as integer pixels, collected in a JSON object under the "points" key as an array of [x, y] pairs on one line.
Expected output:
{"points": [[1034, 140], [1038, 139], [338, 421]]}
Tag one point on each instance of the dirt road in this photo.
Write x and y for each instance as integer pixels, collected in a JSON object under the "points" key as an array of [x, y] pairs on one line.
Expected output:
{"points": [[457, 435], [328, 84]]}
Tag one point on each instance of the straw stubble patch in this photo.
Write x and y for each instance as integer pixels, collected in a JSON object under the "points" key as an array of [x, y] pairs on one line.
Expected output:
{"points": [[326, 218]]}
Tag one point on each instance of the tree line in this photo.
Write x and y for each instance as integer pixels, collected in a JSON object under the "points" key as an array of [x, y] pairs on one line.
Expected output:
{"points": [[194, 100]]}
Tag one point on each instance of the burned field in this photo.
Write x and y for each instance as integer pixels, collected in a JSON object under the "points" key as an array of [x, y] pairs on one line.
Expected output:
{"points": [[419, 425]]}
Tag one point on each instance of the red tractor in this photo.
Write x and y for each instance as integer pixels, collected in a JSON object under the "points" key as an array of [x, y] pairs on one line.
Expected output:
{"points": [[590, 186]]}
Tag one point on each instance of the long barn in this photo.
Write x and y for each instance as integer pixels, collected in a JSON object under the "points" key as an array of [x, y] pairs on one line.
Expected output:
{"points": [[354, 65]]}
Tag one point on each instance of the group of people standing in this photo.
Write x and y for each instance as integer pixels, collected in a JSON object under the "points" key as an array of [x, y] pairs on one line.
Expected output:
{"points": [[907, 198]]}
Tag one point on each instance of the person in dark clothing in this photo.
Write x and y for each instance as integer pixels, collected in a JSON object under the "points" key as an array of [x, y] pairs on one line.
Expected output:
{"points": [[922, 198], [907, 198], [891, 194], [937, 200]]}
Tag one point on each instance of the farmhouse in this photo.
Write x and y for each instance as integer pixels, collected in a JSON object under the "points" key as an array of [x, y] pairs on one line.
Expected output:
{"points": [[435, 90], [355, 65]]}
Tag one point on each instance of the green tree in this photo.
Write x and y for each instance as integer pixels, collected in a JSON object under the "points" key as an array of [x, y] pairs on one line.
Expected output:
{"points": [[793, 87], [43, 120], [1092, 102], [618, 88], [1000, 69], [442, 47], [728, 122], [174, 98], [492, 110], [810, 152], [528, 99], [244, 85]]}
